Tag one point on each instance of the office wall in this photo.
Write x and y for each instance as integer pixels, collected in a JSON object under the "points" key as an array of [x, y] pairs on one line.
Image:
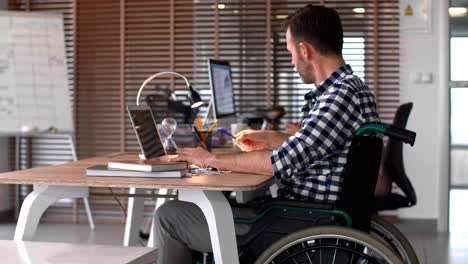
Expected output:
{"points": [[5, 203], [427, 162]]}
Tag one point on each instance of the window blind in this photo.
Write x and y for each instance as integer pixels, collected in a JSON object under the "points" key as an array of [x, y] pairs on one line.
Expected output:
{"points": [[113, 46], [250, 36]]}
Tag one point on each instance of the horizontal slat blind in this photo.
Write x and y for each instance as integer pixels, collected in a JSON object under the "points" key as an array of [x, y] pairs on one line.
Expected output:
{"points": [[158, 37], [371, 47], [181, 35], [378, 28], [98, 77], [287, 85], [116, 45], [241, 40]]}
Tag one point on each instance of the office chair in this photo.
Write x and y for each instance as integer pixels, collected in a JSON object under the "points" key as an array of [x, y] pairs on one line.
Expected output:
{"points": [[393, 168]]}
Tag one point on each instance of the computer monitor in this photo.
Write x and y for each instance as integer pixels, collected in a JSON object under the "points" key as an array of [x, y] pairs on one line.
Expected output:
{"points": [[222, 93]]}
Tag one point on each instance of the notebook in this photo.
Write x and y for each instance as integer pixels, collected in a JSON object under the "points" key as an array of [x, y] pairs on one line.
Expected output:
{"points": [[146, 165], [103, 170]]}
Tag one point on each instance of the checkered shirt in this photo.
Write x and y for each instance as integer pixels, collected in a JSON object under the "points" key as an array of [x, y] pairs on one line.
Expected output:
{"points": [[310, 163]]}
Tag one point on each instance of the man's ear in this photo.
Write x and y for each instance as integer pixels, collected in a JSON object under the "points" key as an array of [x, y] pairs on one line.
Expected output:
{"points": [[306, 50]]}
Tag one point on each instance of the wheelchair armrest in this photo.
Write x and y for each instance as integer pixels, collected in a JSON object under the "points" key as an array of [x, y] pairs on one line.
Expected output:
{"points": [[292, 203], [259, 210]]}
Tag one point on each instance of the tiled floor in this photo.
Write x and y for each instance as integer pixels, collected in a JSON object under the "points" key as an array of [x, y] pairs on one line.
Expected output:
{"points": [[431, 247], [436, 248]]}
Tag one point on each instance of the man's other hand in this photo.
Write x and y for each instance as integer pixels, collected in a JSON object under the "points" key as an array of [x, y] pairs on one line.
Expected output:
{"points": [[292, 128], [250, 140]]}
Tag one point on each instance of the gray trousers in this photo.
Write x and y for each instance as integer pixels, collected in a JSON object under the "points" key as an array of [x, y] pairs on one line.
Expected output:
{"points": [[181, 228]]}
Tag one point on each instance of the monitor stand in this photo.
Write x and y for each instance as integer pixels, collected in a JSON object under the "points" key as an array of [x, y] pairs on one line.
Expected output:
{"points": [[209, 116]]}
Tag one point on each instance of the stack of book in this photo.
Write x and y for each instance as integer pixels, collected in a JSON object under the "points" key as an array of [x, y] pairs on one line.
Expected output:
{"points": [[139, 168]]}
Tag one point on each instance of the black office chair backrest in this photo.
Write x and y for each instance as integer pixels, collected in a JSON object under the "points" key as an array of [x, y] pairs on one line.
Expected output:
{"points": [[361, 173], [393, 166]]}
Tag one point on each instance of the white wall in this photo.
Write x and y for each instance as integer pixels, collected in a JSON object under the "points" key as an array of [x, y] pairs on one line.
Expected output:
{"points": [[5, 202], [427, 162]]}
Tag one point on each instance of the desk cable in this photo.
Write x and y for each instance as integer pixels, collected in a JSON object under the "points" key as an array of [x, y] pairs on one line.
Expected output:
{"points": [[197, 171], [124, 211]]}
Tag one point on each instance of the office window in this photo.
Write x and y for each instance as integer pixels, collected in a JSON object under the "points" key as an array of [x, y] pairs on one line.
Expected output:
{"points": [[458, 57], [458, 109], [459, 126]]}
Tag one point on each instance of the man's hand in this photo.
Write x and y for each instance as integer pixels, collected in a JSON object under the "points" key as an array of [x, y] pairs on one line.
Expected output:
{"points": [[250, 140], [292, 128], [197, 156], [246, 162]]}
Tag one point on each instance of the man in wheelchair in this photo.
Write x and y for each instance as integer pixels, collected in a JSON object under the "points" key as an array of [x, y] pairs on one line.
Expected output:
{"points": [[308, 165]]}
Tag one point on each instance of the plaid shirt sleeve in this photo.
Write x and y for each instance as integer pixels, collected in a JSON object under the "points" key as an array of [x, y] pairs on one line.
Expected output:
{"points": [[328, 125]]}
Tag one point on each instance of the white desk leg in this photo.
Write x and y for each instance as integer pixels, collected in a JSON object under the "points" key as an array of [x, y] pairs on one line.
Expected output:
{"points": [[218, 214], [37, 202], [159, 202], [135, 210], [88, 213]]}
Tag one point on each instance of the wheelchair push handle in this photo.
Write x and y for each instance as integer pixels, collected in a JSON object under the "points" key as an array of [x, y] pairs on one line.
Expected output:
{"points": [[404, 135]]}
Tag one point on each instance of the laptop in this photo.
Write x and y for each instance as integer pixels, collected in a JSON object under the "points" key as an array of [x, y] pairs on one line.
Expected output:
{"points": [[147, 134]]}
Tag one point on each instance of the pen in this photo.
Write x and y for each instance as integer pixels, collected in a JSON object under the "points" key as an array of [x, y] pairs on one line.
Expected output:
{"points": [[225, 132], [199, 138], [211, 128], [199, 123]]}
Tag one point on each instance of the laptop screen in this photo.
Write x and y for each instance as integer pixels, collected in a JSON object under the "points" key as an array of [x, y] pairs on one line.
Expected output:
{"points": [[146, 131]]}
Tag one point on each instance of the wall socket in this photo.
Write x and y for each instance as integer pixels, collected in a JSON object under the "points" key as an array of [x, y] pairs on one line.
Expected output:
{"points": [[420, 77]]}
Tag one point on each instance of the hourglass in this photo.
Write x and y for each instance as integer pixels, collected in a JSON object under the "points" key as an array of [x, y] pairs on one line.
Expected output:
{"points": [[168, 127]]}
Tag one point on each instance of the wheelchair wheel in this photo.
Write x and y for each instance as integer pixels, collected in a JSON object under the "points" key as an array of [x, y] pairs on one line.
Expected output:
{"points": [[394, 239], [328, 244]]}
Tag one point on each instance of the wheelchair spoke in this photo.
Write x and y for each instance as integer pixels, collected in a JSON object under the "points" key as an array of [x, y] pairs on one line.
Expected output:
{"points": [[308, 257], [320, 251], [307, 253], [334, 254], [352, 257]]}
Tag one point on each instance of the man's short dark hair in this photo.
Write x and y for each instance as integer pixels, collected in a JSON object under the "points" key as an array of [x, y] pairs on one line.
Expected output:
{"points": [[318, 25]]}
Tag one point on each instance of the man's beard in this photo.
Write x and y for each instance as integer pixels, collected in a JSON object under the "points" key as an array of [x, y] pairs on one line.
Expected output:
{"points": [[306, 76], [305, 72]]}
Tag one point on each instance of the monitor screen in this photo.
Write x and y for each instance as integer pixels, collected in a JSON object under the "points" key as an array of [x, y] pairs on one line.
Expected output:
{"points": [[221, 88], [146, 131]]}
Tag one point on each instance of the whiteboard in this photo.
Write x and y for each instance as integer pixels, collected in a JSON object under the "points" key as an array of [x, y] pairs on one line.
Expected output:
{"points": [[34, 91]]}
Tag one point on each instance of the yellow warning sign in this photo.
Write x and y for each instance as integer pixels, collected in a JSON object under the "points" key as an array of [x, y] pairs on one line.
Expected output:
{"points": [[409, 11]]}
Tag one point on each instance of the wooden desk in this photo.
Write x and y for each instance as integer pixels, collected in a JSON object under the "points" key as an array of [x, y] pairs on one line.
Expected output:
{"points": [[69, 180]]}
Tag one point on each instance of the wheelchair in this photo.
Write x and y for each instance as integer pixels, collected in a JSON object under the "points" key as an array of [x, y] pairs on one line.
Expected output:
{"points": [[290, 231]]}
